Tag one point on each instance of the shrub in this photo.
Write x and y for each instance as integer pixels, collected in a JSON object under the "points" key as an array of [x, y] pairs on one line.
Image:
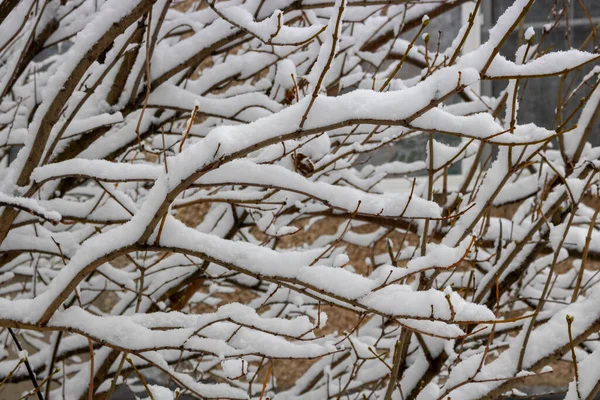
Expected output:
{"points": [[251, 121]]}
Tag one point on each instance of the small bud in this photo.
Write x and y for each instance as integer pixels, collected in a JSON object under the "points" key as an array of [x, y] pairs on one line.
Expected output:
{"points": [[530, 35], [425, 21], [426, 37], [570, 319]]}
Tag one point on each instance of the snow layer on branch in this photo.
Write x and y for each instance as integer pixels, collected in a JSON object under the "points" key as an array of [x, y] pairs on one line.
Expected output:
{"points": [[402, 300], [549, 64], [392, 168], [98, 169], [434, 328], [269, 30], [345, 198], [171, 96], [355, 106], [389, 106], [126, 333], [353, 286], [84, 125], [235, 312], [438, 256], [441, 256], [481, 126], [29, 205], [111, 12], [394, 300]]}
